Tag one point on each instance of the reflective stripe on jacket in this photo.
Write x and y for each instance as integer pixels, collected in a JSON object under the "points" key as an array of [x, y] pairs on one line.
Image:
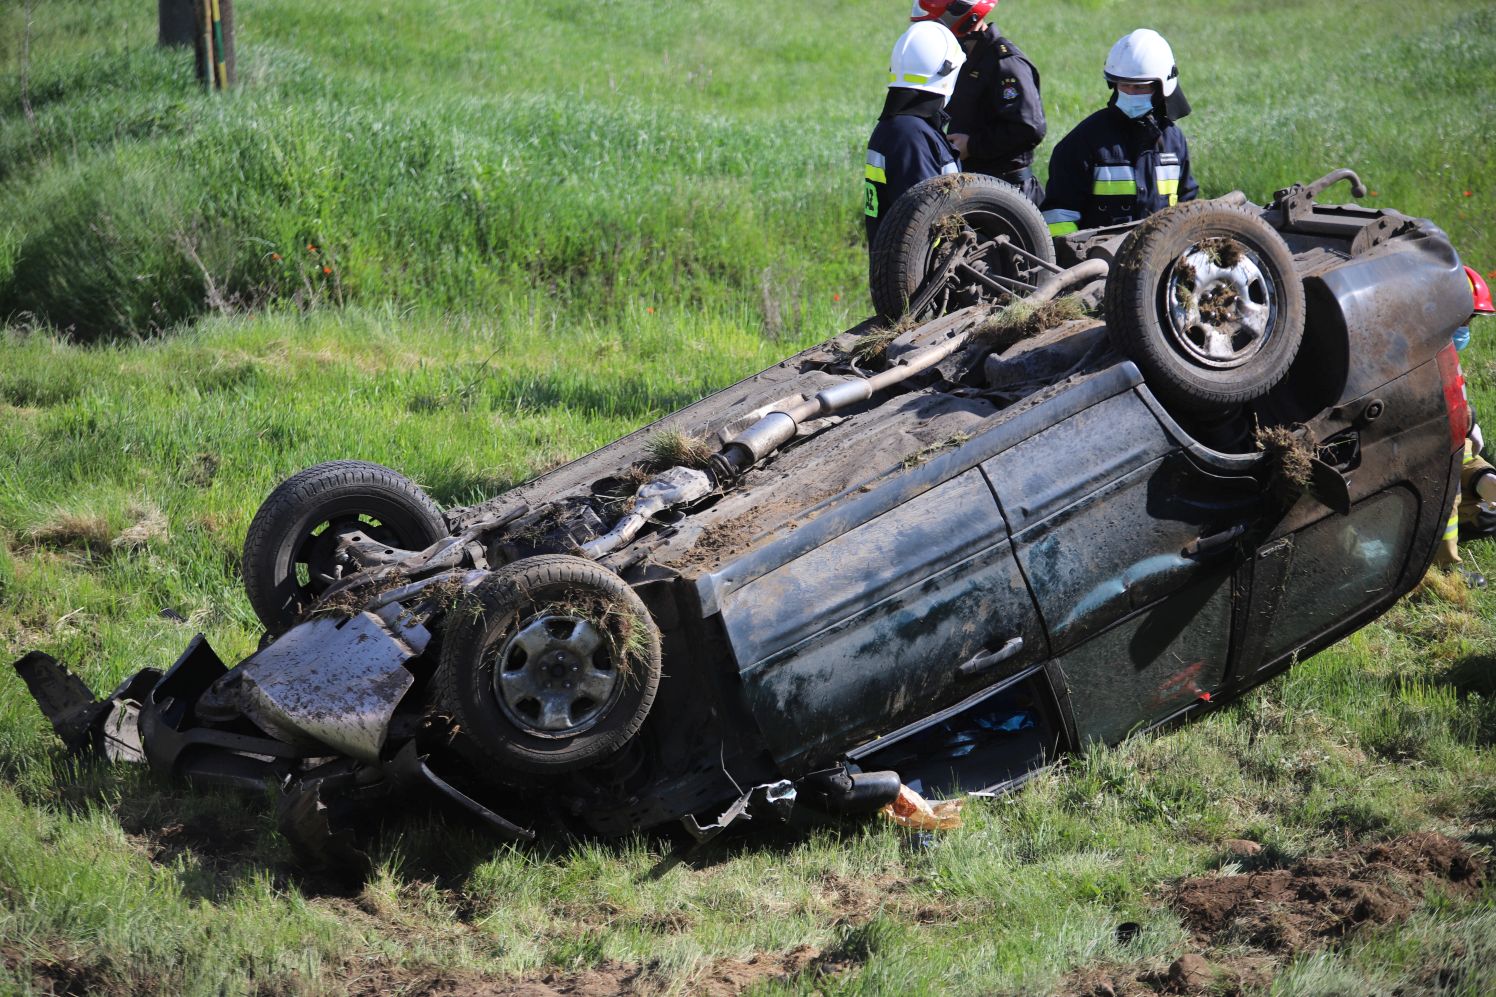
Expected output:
{"points": [[903, 150], [1111, 169]]}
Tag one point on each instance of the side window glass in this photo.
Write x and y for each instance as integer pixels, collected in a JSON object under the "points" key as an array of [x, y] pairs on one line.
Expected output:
{"points": [[1339, 565]]}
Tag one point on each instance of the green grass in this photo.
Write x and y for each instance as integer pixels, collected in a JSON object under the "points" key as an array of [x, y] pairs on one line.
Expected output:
{"points": [[542, 234]]}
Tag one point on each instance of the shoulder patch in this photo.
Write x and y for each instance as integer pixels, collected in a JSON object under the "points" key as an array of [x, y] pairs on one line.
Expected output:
{"points": [[1010, 88]]}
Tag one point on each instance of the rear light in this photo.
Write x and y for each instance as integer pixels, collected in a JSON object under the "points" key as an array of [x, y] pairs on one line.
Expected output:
{"points": [[1480, 293], [1454, 396]]}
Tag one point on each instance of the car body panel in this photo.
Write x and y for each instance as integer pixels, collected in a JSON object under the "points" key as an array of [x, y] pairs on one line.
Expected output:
{"points": [[948, 590]]}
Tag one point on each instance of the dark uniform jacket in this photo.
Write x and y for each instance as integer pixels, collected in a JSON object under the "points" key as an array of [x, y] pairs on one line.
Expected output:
{"points": [[997, 103], [1112, 169], [907, 146]]}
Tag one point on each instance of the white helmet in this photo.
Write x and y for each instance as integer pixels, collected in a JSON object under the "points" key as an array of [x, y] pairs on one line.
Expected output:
{"points": [[1143, 57], [926, 57]]}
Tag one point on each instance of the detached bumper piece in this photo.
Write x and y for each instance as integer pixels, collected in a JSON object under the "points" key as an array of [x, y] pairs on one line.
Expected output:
{"points": [[311, 714]]}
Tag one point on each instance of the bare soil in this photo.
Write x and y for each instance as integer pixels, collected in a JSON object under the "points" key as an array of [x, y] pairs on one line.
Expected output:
{"points": [[722, 978], [1277, 913]]}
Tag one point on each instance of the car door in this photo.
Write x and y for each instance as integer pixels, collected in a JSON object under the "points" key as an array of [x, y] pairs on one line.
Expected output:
{"points": [[1320, 570], [1128, 537], [904, 614]]}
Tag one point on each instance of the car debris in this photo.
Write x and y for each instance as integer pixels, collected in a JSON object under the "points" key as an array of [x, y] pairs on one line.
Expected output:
{"points": [[932, 567], [912, 811]]}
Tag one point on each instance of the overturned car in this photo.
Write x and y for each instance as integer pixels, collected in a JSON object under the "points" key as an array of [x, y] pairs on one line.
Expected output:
{"points": [[940, 553]]}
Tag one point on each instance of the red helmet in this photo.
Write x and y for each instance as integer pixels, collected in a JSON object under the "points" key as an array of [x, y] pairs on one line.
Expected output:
{"points": [[1480, 292], [961, 16]]}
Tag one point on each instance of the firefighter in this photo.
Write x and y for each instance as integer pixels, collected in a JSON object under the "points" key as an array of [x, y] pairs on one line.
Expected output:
{"points": [[1474, 513], [1129, 159], [909, 143], [997, 114]]}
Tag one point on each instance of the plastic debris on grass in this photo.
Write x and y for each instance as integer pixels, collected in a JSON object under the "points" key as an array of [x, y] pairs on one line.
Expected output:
{"points": [[913, 811]]}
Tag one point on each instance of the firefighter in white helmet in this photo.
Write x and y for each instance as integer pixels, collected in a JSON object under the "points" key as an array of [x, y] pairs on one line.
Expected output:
{"points": [[1129, 159], [997, 113], [909, 143]]}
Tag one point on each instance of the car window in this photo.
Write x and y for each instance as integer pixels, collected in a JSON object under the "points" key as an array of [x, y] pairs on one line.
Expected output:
{"points": [[1341, 564]]}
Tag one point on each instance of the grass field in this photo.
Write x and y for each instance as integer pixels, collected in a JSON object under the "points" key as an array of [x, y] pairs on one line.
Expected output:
{"points": [[471, 239]]}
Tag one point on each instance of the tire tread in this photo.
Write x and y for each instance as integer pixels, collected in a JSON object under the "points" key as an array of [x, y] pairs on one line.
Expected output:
{"points": [[280, 511]]}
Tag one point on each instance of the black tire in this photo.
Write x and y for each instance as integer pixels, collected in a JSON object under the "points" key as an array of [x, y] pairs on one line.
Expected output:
{"points": [[906, 268], [294, 533], [1187, 293], [511, 730]]}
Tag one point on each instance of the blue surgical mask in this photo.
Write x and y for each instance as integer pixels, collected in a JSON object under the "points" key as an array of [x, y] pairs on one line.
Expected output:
{"points": [[1134, 105]]}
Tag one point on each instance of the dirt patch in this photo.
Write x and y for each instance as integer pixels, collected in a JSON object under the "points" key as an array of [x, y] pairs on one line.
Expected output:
{"points": [[1277, 913], [723, 977], [733, 535], [1321, 900], [1218, 306], [1226, 976], [1224, 253], [202, 469], [1222, 975], [64, 976]]}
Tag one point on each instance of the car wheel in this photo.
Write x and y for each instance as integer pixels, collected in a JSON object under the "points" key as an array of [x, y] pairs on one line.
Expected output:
{"points": [[549, 666], [954, 240], [290, 549], [1203, 297]]}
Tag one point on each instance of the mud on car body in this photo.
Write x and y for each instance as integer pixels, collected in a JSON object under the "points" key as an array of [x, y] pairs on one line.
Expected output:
{"points": [[942, 553]]}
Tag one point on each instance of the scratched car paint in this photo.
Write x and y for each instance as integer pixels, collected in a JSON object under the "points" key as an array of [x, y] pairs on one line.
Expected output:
{"points": [[946, 567]]}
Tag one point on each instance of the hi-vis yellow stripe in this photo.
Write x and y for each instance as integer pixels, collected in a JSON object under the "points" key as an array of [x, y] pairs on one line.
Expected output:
{"points": [[1114, 188], [1063, 228], [1168, 186], [908, 78], [875, 173]]}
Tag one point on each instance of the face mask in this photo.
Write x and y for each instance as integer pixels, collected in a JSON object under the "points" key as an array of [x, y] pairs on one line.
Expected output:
{"points": [[1134, 105]]}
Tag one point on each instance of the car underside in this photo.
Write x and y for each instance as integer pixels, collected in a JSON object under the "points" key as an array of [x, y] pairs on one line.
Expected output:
{"points": [[1057, 494]]}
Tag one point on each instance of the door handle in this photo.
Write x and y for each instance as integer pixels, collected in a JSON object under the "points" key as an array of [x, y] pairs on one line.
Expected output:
{"points": [[1204, 545], [990, 659]]}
